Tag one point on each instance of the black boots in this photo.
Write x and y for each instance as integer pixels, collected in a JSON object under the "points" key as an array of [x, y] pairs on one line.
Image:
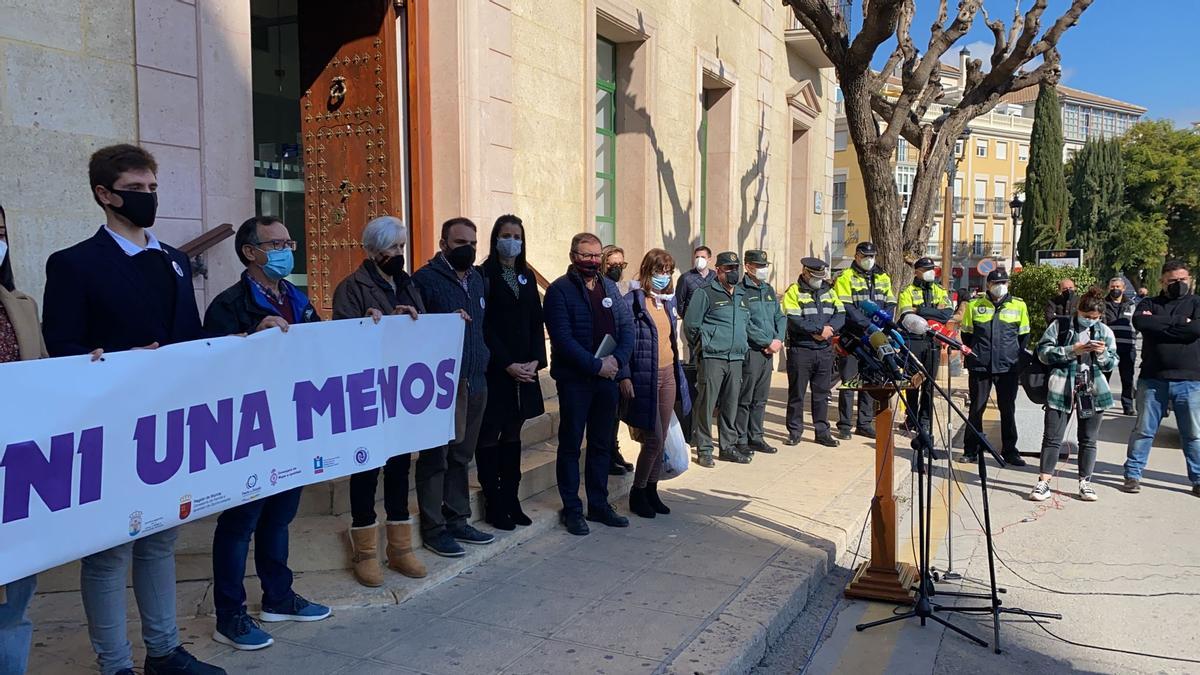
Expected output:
{"points": [[510, 482], [639, 503], [653, 499]]}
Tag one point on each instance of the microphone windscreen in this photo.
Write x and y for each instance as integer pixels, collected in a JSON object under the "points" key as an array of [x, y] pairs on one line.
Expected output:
{"points": [[879, 339], [914, 324], [870, 307]]}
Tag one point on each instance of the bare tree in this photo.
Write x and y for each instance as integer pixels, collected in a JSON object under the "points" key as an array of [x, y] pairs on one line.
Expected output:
{"points": [[877, 120]]}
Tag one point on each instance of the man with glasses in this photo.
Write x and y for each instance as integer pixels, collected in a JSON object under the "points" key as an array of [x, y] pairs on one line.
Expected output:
{"points": [[716, 324], [262, 299], [591, 342]]}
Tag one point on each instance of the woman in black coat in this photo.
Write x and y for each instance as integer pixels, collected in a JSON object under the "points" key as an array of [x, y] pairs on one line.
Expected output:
{"points": [[517, 344]]}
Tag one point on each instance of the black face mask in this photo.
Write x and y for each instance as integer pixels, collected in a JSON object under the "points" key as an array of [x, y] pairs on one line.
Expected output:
{"points": [[138, 207], [1178, 289], [394, 266], [614, 273], [732, 277], [1066, 295], [1114, 294], [461, 258], [587, 268]]}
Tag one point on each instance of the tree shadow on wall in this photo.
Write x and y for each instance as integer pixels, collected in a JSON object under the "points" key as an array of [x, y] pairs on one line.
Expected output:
{"points": [[756, 207]]}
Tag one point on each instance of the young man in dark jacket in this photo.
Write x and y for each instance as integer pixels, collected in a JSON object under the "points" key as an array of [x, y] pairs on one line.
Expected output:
{"points": [[450, 284], [262, 299], [1118, 316], [1170, 328], [582, 308], [122, 289]]}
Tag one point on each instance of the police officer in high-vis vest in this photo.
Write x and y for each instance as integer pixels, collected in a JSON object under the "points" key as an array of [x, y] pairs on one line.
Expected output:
{"points": [[765, 334], [996, 327], [862, 281], [716, 324], [814, 315], [927, 299]]}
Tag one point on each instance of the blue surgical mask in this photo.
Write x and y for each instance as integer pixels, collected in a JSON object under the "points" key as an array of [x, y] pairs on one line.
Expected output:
{"points": [[1087, 323], [279, 264], [509, 248], [660, 281]]}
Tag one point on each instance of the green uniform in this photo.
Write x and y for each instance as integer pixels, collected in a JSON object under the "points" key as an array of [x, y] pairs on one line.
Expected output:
{"points": [[717, 323], [767, 324]]}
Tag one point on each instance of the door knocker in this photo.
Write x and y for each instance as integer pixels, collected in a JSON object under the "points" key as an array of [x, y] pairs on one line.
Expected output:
{"points": [[337, 91]]}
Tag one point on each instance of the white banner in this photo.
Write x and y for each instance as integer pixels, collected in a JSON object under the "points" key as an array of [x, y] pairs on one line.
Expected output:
{"points": [[96, 454]]}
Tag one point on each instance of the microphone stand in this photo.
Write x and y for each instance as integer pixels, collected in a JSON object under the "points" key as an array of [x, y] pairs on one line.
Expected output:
{"points": [[923, 607]]}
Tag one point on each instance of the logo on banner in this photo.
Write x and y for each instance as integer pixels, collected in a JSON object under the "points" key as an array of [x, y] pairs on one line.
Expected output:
{"points": [[318, 464], [185, 506], [361, 456], [274, 477], [252, 481], [135, 523]]}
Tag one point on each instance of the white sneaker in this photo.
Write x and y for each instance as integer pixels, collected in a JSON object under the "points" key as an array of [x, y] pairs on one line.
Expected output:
{"points": [[1086, 492], [1041, 491]]}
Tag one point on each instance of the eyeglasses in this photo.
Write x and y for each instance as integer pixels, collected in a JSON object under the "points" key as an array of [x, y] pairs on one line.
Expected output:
{"points": [[586, 256], [617, 266], [660, 270], [277, 245]]}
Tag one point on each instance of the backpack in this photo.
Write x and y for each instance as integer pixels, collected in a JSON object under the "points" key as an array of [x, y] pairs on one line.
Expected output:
{"points": [[1035, 375]]}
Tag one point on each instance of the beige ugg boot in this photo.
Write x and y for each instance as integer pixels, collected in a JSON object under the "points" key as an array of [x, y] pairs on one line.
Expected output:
{"points": [[364, 549], [399, 550]]}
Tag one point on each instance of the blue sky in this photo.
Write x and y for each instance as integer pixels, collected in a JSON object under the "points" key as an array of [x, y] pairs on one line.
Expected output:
{"points": [[1141, 51]]}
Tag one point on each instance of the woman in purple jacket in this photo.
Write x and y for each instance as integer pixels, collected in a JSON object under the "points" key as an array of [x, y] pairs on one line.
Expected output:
{"points": [[655, 379]]}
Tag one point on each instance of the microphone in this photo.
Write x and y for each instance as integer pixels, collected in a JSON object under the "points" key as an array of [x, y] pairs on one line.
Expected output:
{"points": [[887, 354], [855, 342], [893, 335], [882, 319], [947, 337]]}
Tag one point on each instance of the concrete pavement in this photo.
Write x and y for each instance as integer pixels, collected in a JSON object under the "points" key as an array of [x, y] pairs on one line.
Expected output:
{"points": [[704, 589], [1123, 571]]}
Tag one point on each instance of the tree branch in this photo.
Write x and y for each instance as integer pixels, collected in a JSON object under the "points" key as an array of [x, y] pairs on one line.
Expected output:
{"points": [[819, 20], [878, 25]]}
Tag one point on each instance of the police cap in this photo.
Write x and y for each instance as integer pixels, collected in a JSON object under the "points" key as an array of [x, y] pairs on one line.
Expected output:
{"points": [[725, 258], [997, 275], [925, 263], [757, 257], [815, 267], [866, 248]]}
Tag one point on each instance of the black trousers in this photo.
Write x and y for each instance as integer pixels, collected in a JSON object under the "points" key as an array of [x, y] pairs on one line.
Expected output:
{"points": [[866, 407], [920, 402], [498, 459], [1126, 360], [809, 368], [980, 386], [395, 492]]}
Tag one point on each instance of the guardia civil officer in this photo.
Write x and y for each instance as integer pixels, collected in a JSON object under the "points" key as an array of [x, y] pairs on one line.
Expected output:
{"points": [[862, 281], [716, 325], [996, 327], [765, 333], [927, 299], [814, 315]]}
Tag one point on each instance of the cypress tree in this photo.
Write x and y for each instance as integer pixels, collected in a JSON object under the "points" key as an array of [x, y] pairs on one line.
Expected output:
{"points": [[1097, 184], [1045, 216]]}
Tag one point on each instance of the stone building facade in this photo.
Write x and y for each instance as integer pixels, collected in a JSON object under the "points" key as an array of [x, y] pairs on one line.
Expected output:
{"points": [[652, 122]]}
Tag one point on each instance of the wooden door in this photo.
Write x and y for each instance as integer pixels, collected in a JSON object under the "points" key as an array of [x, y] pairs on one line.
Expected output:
{"points": [[350, 131]]}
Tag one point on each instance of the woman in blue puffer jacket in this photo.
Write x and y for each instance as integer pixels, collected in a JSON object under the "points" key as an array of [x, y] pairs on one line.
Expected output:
{"points": [[655, 379]]}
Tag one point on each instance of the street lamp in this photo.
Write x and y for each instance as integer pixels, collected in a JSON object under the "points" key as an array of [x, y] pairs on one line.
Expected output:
{"points": [[1017, 205]]}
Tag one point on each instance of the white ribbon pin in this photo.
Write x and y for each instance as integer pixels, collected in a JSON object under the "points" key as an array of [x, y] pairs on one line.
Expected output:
{"points": [[607, 303], [178, 269]]}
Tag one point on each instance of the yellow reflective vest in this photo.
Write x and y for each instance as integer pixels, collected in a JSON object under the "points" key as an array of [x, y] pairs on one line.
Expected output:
{"points": [[996, 332]]}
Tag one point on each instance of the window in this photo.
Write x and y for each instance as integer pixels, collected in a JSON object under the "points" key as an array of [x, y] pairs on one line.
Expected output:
{"points": [[839, 193], [902, 150], [1001, 150], [904, 183], [840, 139], [980, 196], [997, 239], [1000, 198], [606, 141], [1023, 152], [981, 148], [958, 148]]}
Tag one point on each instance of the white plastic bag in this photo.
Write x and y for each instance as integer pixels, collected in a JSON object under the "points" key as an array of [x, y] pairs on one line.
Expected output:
{"points": [[676, 453]]}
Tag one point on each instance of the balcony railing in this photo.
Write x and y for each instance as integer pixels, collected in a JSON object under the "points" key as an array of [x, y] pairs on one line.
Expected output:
{"points": [[958, 205], [999, 207], [839, 202], [980, 206]]}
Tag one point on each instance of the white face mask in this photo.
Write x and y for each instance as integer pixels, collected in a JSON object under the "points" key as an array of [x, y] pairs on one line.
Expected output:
{"points": [[927, 275], [998, 291], [867, 263], [814, 283], [762, 273], [3, 250], [701, 263]]}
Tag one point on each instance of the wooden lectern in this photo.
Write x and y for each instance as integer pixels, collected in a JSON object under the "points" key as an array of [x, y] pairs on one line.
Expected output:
{"points": [[882, 577]]}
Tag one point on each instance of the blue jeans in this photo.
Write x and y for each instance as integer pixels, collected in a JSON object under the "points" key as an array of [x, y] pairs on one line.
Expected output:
{"points": [[102, 582], [267, 521], [16, 629], [1152, 398]]}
